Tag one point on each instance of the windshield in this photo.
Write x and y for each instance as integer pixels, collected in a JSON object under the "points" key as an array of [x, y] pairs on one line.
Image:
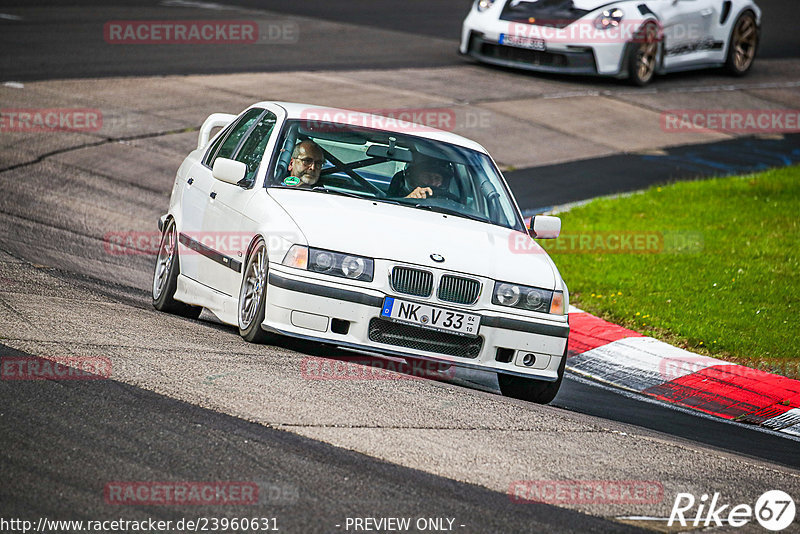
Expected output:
{"points": [[391, 167]]}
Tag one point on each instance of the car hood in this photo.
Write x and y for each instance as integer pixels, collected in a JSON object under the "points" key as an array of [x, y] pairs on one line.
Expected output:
{"points": [[387, 231]]}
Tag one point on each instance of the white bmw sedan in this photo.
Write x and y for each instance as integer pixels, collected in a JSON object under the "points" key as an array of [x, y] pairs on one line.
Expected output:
{"points": [[366, 233], [633, 39]]}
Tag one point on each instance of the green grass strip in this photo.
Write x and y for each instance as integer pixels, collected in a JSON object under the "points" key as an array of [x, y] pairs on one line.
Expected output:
{"points": [[711, 266]]}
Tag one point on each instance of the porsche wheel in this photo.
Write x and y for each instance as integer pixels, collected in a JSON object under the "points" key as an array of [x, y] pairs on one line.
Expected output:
{"points": [[530, 389], [253, 296], [643, 55], [165, 277], [743, 45]]}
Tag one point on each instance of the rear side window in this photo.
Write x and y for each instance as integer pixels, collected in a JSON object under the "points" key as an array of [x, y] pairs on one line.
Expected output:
{"points": [[252, 150], [225, 146]]}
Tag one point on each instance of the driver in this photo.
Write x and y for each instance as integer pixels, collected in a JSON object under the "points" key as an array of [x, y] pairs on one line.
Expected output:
{"points": [[422, 180], [305, 165]]}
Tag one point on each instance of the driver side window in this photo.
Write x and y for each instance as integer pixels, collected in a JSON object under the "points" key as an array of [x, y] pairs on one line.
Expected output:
{"points": [[252, 150]]}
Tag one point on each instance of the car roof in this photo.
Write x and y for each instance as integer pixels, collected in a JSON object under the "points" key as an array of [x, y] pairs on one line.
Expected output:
{"points": [[351, 117]]}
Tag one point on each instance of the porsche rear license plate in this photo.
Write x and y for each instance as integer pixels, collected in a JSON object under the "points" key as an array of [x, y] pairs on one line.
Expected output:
{"points": [[431, 317], [520, 41]]}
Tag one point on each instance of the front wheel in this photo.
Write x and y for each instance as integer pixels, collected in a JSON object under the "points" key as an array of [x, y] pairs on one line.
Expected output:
{"points": [[743, 45], [643, 55], [165, 277], [253, 296], [530, 389]]}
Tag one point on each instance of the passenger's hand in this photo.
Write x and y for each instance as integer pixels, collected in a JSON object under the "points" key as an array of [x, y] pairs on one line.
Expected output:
{"points": [[421, 192]]}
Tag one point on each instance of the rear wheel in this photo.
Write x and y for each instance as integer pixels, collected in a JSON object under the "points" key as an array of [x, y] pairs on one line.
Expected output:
{"points": [[165, 277], [643, 55], [530, 389], [743, 45], [253, 296]]}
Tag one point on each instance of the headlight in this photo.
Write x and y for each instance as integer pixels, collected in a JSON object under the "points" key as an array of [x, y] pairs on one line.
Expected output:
{"points": [[507, 294], [483, 5], [528, 298], [609, 18], [332, 263]]}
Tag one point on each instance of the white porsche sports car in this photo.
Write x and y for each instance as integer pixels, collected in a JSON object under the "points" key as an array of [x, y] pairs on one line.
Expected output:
{"points": [[310, 222], [633, 39]]}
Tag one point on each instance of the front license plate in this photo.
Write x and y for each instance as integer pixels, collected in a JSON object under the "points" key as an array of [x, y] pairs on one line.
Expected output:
{"points": [[431, 317], [520, 41]]}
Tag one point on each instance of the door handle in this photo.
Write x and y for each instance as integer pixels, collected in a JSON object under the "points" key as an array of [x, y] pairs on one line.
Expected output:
{"points": [[706, 12], [190, 181], [213, 194]]}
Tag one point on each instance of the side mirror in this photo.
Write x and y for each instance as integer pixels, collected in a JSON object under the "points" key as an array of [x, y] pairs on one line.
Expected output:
{"points": [[229, 171], [545, 227]]}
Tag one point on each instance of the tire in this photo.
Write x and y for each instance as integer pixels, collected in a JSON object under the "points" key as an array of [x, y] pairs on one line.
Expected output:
{"points": [[253, 296], [743, 45], [165, 276], [643, 55], [530, 389]]}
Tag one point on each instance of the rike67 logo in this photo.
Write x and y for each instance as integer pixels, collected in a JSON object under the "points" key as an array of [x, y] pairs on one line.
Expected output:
{"points": [[774, 510]]}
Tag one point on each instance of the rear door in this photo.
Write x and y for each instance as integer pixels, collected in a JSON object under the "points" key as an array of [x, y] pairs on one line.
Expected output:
{"points": [[197, 248], [223, 226]]}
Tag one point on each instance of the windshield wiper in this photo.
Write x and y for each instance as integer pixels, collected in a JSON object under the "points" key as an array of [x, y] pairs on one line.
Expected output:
{"points": [[322, 189], [335, 192], [439, 209]]}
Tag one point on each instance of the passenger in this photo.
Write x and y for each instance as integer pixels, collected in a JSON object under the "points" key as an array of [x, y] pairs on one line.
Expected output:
{"points": [[422, 180], [305, 165]]}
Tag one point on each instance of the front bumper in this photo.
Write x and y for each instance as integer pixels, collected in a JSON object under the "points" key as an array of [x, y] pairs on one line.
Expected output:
{"points": [[316, 308], [481, 35], [567, 62]]}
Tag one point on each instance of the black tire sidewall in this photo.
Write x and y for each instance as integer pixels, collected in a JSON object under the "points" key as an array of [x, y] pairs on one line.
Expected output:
{"points": [[165, 300], [729, 63], [633, 53], [530, 389], [254, 333]]}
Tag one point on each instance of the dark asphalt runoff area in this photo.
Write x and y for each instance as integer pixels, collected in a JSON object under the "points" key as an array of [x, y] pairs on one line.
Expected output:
{"points": [[63, 441], [537, 189], [65, 39]]}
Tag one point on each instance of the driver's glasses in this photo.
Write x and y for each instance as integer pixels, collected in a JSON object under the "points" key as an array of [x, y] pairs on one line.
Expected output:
{"points": [[308, 162]]}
